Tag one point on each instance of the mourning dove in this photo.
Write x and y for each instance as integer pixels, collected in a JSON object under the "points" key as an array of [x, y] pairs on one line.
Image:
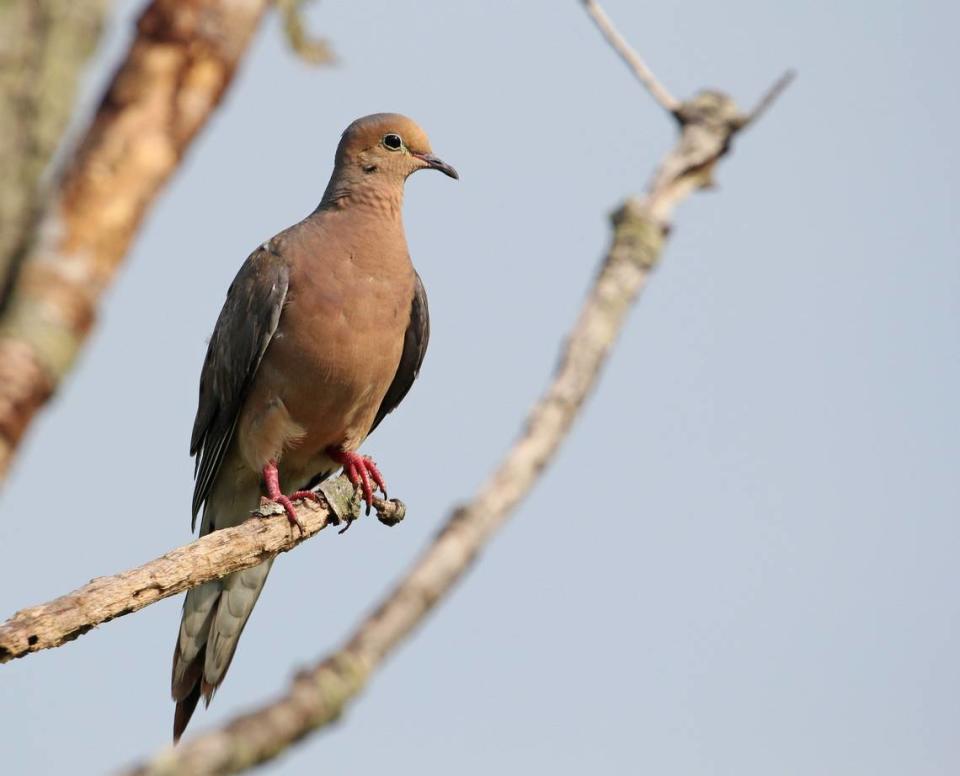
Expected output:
{"points": [[322, 334]]}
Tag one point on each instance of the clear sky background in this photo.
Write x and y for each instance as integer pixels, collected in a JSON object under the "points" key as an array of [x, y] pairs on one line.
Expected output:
{"points": [[772, 584]]}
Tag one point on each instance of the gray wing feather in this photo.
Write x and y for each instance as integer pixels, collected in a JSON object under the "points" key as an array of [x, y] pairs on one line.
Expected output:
{"points": [[415, 342], [246, 325]]}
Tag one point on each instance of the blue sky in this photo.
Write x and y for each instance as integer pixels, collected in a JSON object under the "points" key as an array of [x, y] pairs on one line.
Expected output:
{"points": [[777, 592]]}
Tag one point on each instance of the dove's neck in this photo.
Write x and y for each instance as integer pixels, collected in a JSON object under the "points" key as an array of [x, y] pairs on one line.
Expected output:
{"points": [[355, 189]]}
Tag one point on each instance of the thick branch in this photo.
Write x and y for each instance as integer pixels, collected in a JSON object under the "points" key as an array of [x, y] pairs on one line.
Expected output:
{"points": [[319, 695], [183, 58], [212, 557], [44, 45]]}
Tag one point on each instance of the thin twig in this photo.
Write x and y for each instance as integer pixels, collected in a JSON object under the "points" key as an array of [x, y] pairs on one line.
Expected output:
{"points": [[769, 97], [643, 73]]}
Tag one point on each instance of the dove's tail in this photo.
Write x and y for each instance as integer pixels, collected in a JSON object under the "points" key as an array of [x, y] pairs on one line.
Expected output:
{"points": [[215, 612]]}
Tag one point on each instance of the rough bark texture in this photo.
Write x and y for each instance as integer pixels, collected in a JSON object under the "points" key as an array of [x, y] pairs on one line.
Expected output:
{"points": [[183, 58], [212, 557], [319, 695], [44, 45]]}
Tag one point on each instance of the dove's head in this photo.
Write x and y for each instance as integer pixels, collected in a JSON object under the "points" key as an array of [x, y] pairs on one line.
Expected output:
{"points": [[383, 150]]}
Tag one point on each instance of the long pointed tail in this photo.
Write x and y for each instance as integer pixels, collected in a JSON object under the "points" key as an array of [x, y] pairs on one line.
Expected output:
{"points": [[215, 612], [214, 615]]}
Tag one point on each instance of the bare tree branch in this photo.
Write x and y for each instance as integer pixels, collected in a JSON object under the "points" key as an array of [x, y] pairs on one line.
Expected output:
{"points": [[178, 67], [632, 59], [319, 695], [212, 557], [769, 97], [44, 45]]}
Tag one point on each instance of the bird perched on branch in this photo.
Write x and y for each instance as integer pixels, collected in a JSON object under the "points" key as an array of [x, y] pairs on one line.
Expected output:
{"points": [[322, 334]]}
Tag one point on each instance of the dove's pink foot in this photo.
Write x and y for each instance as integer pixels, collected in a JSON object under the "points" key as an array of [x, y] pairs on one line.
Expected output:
{"points": [[360, 470], [271, 478]]}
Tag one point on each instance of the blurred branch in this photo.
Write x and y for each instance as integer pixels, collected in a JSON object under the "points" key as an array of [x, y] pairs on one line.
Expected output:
{"points": [[768, 98], [177, 69], [214, 556], [316, 51], [44, 45], [319, 695], [632, 59]]}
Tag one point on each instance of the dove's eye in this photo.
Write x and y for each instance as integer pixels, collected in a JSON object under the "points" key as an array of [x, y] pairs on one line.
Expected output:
{"points": [[392, 142]]}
